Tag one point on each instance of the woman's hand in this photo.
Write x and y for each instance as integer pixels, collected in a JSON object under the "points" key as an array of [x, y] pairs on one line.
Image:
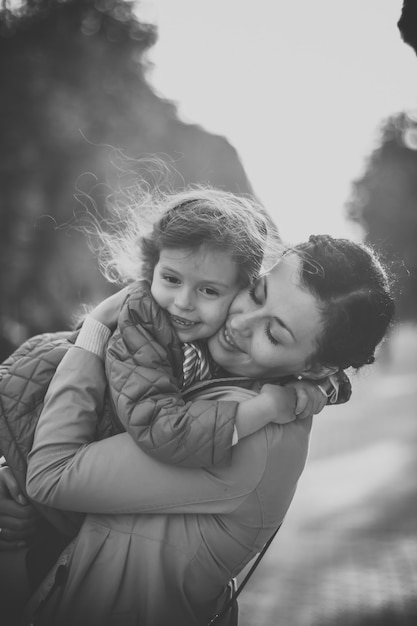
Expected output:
{"points": [[18, 518], [107, 312]]}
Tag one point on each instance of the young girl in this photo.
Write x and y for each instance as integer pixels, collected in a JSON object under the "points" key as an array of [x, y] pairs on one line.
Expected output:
{"points": [[206, 247]]}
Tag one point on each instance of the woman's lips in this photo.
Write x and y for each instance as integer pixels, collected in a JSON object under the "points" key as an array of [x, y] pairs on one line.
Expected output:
{"points": [[227, 336]]}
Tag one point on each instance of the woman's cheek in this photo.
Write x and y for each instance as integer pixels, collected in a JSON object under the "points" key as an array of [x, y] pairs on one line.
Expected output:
{"points": [[266, 356]]}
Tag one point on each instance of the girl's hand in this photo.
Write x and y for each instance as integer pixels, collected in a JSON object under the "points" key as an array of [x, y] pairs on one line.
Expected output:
{"points": [[310, 398], [282, 403], [273, 404], [107, 312], [18, 518]]}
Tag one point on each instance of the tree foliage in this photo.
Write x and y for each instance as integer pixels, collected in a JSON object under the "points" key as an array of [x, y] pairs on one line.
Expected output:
{"points": [[407, 23], [384, 203], [73, 76]]}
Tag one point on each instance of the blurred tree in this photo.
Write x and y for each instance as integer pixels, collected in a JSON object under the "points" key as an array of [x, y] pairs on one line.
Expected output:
{"points": [[384, 203], [408, 23], [73, 85]]}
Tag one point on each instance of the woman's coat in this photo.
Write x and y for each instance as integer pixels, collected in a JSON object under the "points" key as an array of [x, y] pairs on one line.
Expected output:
{"points": [[160, 541]]}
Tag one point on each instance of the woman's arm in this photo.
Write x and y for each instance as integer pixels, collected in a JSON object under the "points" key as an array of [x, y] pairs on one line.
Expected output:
{"points": [[66, 470]]}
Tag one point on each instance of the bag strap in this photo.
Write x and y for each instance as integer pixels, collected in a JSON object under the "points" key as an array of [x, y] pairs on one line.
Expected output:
{"points": [[239, 590]]}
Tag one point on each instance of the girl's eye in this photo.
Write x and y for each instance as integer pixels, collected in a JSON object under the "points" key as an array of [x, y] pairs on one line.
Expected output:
{"points": [[171, 279], [252, 294], [271, 338], [210, 292]]}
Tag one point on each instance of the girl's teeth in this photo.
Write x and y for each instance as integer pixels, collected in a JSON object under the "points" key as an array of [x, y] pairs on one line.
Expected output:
{"points": [[183, 322]]}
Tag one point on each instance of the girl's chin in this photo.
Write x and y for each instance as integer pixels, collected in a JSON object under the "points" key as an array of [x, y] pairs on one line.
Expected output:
{"points": [[188, 334], [184, 338]]}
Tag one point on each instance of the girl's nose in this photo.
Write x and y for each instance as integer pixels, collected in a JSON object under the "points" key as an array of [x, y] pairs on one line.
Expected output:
{"points": [[184, 300]]}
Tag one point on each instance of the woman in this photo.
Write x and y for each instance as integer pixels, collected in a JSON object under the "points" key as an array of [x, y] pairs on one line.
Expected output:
{"points": [[160, 542]]}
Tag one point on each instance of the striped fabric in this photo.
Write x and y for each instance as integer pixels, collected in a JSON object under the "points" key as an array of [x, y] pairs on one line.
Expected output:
{"points": [[333, 394], [196, 365]]}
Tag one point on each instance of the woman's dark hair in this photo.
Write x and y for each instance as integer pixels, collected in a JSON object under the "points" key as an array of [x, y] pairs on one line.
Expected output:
{"points": [[353, 289]]}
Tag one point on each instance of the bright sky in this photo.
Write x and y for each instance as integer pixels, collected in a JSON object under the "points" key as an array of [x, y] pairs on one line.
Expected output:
{"points": [[298, 88]]}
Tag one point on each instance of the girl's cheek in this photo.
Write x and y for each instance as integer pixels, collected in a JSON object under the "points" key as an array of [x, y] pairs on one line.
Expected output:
{"points": [[219, 309], [228, 302]]}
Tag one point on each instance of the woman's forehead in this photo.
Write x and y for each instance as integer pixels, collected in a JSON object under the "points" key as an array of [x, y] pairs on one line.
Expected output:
{"points": [[288, 299], [287, 268]]}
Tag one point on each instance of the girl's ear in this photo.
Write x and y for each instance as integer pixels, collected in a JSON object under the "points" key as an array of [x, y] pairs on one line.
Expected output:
{"points": [[317, 372]]}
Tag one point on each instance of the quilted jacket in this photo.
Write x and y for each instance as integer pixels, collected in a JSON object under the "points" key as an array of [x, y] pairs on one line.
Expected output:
{"points": [[144, 364], [24, 379]]}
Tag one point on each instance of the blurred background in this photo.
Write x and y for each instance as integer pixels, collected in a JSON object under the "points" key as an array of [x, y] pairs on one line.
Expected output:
{"points": [[311, 106]]}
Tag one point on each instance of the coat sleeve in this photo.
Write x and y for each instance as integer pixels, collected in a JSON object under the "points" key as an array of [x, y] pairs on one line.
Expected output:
{"points": [[143, 361], [68, 470]]}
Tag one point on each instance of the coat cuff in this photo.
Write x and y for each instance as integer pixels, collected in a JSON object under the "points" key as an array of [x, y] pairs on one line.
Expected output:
{"points": [[93, 337]]}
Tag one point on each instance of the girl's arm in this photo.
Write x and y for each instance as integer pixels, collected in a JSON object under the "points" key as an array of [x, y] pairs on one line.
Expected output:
{"points": [[143, 364]]}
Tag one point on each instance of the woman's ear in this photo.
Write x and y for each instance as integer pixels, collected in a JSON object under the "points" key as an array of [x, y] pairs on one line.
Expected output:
{"points": [[317, 372]]}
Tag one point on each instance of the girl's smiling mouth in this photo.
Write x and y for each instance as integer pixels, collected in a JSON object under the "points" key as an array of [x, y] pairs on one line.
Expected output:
{"points": [[184, 323]]}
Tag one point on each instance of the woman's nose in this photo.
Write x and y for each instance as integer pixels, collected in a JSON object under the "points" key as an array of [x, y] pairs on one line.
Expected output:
{"points": [[243, 323]]}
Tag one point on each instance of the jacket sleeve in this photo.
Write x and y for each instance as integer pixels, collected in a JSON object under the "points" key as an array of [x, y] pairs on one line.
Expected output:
{"points": [[68, 470], [141, 360]]}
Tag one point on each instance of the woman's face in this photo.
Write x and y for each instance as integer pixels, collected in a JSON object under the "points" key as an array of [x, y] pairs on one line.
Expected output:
{"points": [[272, 329]]}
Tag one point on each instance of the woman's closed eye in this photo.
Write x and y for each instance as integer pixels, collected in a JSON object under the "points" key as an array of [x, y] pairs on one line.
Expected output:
{"points": [[269, 335], [256, 293]]}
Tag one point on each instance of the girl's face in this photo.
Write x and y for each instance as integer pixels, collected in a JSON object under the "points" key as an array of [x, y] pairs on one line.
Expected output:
{"points": [[272, 328], [196, 288]]}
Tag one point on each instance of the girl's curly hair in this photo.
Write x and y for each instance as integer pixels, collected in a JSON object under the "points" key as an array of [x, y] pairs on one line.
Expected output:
{"points": [[146, 220]]}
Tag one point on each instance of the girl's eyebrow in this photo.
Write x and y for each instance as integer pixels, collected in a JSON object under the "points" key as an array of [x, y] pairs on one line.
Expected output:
{"points": [[217, 283], [205, 281], [278, 319], [168, 268]]}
